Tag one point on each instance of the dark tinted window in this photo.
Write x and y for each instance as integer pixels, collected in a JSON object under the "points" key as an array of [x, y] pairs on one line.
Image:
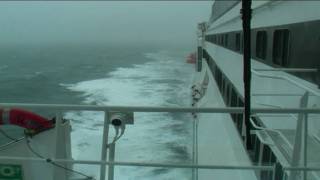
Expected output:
{"points": [[226, 40], [281, 47], [261, 44], [222, 39], [241, 39], [227, 93], [237, 42], [233, 98]]}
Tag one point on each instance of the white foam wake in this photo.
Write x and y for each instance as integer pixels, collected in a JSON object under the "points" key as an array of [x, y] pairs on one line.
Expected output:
{"points": [[155, 137]]}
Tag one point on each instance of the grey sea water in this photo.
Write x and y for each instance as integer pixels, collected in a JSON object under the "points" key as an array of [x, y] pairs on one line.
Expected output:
{"points": [[109, 75], [25, 70]]}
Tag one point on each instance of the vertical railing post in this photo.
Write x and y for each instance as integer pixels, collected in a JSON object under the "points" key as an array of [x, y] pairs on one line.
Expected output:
{"points": [[195, 149], [299, 154], [104, 145], [112, 148], [274, 171], [305, 157], [59, 151]]}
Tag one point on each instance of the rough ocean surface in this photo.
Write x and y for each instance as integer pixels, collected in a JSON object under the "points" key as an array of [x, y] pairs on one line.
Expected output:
{"points": [[137, 76], [154, 137]]}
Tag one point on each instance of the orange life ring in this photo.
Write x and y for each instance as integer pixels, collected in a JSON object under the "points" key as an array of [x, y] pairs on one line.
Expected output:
{"points": [[24, 119]]}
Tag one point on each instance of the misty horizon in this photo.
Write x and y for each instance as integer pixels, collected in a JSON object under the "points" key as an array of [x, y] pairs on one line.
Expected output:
{"points": [[101, 22]]}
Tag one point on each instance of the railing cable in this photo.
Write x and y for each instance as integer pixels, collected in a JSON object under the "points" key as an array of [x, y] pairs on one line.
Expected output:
{"points": [[49, 160]]}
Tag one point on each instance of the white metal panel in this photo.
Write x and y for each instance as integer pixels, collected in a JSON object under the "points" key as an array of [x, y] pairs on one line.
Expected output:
{"points": [[266, 13], [44, 144]]}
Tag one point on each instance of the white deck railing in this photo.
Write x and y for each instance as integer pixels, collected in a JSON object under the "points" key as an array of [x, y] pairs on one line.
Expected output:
{"points": [[111, 163]]}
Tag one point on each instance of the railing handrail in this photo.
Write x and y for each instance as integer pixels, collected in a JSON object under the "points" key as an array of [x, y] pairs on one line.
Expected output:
{"points": [[235, 110], [170, 165], [105, 109], [144, 164], [288, 79], [310, 70]]}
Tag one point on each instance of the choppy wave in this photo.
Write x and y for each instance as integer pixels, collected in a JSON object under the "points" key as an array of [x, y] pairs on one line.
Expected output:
{"points": [[155, 137], [3, 67]]}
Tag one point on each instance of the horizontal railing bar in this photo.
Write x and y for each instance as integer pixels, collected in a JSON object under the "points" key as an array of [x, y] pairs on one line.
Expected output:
{"points": [[294, 82], [285, 110], [159, 109], [141, 164], [290, 69], [279, 94], [308, 168], [122, 108], [171, 165]]}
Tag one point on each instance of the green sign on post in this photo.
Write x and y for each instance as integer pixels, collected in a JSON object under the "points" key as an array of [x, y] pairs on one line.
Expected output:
{"points": [[10, 172]]}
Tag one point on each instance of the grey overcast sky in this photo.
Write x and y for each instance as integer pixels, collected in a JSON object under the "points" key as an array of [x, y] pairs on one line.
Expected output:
{"points": [[101, 21]]}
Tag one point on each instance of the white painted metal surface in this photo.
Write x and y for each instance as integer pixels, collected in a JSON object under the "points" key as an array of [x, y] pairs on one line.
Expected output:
{"points": [[48, 145], [272, 88], [268, 13]]}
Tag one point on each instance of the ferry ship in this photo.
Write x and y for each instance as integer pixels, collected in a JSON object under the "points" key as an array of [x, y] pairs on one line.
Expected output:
{"points": [[284, 74], [255, 104]]}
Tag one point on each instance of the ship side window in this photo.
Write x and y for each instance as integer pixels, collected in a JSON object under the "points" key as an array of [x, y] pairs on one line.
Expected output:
{"points": [[219, 78], [233, 98], [222, 40], [226, 40], [266, 158], [226, 94], [223, 85], [281, 47], [212, 65], [215, 70], [257, 150], [261, 44], [238, 42], [241, 41], [216, 74]]}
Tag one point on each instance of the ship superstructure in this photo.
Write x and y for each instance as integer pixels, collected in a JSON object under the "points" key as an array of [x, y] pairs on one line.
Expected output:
{"points": [[285, 75]]}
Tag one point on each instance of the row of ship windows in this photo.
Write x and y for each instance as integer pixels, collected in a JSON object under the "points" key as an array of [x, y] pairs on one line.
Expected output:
{"points": [[230, 95], [232, 98], [280, 44]]}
